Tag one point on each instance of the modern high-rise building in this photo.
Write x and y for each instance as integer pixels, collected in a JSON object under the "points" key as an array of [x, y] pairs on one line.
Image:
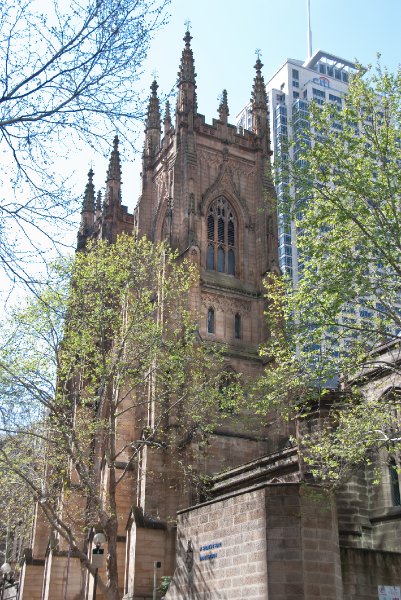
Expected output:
{"points": [[323, 78]]}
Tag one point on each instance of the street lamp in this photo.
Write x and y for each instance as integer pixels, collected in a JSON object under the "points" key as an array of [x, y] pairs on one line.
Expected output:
{"points": [[156, 565], [97, 556], [6, 576]]}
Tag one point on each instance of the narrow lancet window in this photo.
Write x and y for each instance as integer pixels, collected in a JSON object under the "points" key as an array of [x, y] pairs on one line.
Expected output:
{"points": [[210, 320], [237, 326]]}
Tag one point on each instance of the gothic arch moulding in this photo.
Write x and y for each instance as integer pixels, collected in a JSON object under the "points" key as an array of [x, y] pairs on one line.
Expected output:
{"points": [[224, 185], [164, 211]]}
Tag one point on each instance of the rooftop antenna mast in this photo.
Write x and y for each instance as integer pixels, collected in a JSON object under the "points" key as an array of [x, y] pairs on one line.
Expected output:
{"points": [[309, 35]]}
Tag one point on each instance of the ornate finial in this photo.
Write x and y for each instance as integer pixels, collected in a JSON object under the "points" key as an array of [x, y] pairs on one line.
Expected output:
{"points": [[187, 39], [258, 66], [155, 74], [187, 25], [154, 87], [114, 170], [258, 52], [223, 107]]}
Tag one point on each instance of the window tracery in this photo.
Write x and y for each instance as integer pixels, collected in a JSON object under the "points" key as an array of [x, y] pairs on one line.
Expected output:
{"points": [[221, 234]]}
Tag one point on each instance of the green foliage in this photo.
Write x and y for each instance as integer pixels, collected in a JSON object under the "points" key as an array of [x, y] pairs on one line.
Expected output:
{"points": [[164, 584], [17, 510], [345, 203], [111, 340]]}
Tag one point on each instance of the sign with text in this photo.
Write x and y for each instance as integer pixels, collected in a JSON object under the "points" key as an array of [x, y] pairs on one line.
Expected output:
{"points": [[207, 548], [389, 592]]}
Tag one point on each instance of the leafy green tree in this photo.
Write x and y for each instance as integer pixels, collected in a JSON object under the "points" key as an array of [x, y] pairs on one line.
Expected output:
{"points": [[327, 329], [116, 345], [17, 511]]}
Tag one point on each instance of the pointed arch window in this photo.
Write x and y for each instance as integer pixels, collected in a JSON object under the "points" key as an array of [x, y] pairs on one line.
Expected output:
{"points": [[222, 237]]}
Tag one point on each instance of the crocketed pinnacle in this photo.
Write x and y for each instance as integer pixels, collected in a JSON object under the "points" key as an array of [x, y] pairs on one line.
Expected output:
{"points": [[223, 108], [88, 204], [153, 116], [187, 74], [259, 96], [99, 202], [167, 118], [114, 170]]}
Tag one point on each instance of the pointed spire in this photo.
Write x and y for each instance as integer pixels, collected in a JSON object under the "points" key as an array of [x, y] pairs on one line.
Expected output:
{"points": [[88, 204], [114, 170], [153, 116], [223, 108], [112, 197], [99, 203], [87, 213], [187, 74], [167, 119], [259, 96], [152, 128], [186, 101], [259, 105]]}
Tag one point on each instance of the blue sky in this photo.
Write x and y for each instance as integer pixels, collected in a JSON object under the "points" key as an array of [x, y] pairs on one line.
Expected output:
{"points": [[225, 36], [227, 32]]}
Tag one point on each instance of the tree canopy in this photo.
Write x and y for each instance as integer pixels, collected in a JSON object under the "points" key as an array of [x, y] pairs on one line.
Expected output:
{"points": [[327, 329], [69, 74], [114, 344]]}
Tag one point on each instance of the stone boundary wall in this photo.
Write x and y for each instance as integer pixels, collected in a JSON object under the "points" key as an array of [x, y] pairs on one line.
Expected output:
{"points": [[364, 570], [226, 558], [271, 541]]}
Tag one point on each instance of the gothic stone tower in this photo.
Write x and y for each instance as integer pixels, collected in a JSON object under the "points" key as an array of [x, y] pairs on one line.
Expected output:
{"points": [[207, 189]]}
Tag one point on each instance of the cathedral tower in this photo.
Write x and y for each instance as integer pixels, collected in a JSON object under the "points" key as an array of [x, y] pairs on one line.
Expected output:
{"points": [[207, 190]]}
